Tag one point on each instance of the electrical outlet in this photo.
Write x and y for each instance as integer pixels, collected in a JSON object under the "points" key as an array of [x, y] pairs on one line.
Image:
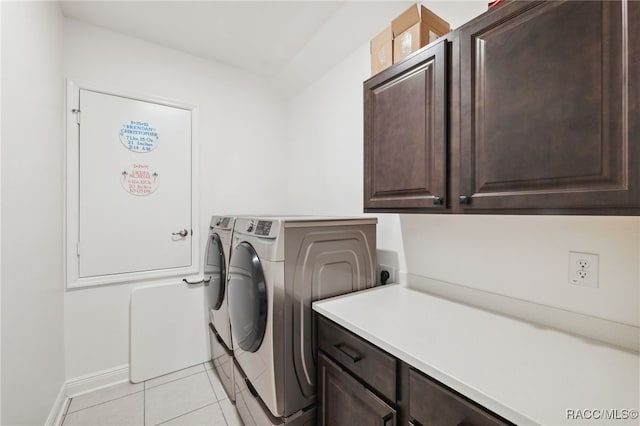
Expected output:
{"points": [[583, 263], [583, 269], [392, 273]]}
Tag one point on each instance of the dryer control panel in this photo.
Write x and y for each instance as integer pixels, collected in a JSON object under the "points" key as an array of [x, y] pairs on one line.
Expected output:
{"points": [[263, 227], [260, 227]]}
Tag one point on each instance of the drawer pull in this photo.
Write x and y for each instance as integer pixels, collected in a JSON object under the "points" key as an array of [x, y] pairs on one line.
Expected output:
{"points": [[353, 356]]}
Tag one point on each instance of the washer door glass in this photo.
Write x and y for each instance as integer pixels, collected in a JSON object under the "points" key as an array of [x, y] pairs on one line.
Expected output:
{"points": [[247, 298], [214, 269]]}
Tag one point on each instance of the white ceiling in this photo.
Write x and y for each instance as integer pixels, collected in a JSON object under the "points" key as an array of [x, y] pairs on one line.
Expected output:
{"points": [[289, 43]]}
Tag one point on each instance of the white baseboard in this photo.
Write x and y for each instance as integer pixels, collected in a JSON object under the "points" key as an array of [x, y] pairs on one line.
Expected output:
{"points": [[59, 407], [97, 380], [83, 384]]}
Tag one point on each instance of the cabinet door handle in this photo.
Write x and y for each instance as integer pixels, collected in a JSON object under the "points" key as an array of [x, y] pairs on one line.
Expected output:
{"points": [[464, 200], [437, 201], [353, 356]]}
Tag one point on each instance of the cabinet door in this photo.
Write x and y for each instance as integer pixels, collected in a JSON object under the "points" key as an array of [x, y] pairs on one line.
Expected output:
{"points": [[342, 401], [548, 107], [433, 405], [405, 134]]}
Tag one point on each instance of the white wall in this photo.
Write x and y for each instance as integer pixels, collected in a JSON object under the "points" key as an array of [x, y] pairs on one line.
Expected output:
{"points": [[32, 211], [325, 139], [0, 214], [241, 150], [325, 165], [524, 257]]}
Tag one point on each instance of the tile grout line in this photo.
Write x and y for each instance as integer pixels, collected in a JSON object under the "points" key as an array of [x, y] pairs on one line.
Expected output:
{"points": [[189, 412], [103, 402], [213, 388], [215, 401], [179, 378], [144, 391], [224, 416], [224, 395]]}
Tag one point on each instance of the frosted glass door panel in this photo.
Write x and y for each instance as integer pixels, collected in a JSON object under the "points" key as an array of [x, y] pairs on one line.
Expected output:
{"points": [[135, 186]]}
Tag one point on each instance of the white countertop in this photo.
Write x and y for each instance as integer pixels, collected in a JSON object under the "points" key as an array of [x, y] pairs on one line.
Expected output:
{"points": [[527, 373]]}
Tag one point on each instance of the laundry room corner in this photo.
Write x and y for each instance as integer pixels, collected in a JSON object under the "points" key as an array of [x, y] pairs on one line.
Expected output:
{"points": [[321, 133]]}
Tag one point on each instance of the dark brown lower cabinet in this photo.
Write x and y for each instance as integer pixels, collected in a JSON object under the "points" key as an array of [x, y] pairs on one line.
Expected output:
{"points": [[432, 404], [343, 401], [348, 367]]}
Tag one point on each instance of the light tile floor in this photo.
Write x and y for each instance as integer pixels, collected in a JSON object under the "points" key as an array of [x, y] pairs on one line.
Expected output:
{"points": [[190, 397]]}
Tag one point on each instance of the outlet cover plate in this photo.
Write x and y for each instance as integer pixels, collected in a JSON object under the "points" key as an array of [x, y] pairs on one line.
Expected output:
{"points": [[392, 273], [583, 269]]}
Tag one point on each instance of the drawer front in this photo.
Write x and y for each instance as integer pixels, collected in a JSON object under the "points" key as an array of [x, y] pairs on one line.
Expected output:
{"points": [[362, 359], [432, 404]]}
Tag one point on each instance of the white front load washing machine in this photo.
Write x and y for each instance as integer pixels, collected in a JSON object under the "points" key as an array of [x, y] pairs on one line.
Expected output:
{"points": [[278, 267], [216, 265]]}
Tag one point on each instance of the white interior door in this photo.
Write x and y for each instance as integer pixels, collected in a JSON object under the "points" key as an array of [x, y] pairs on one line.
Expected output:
{"points": [[135, 186]]}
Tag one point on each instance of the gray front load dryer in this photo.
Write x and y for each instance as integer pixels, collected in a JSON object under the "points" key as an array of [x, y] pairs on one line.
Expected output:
{"points": [[278, 267]]}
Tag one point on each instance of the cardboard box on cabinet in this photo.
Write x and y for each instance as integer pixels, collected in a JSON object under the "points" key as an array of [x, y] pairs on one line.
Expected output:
{"points": [[414, 28], [382, 51]]}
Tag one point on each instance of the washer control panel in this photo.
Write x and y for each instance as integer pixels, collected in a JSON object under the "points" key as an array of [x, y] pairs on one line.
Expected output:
{"points": [[222, 222]]}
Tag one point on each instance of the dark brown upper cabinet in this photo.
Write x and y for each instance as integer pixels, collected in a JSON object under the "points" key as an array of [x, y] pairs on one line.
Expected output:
{"points": [[405, 134], [542, 116], [548, 108]]}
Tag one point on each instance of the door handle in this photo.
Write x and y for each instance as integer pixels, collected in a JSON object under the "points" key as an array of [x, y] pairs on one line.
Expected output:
{"points": [[202, 281], [183, 233]]}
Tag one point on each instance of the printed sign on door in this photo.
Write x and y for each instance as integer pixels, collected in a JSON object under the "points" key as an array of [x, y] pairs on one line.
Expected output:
{"points": [[139, 179], [138, 136]]}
